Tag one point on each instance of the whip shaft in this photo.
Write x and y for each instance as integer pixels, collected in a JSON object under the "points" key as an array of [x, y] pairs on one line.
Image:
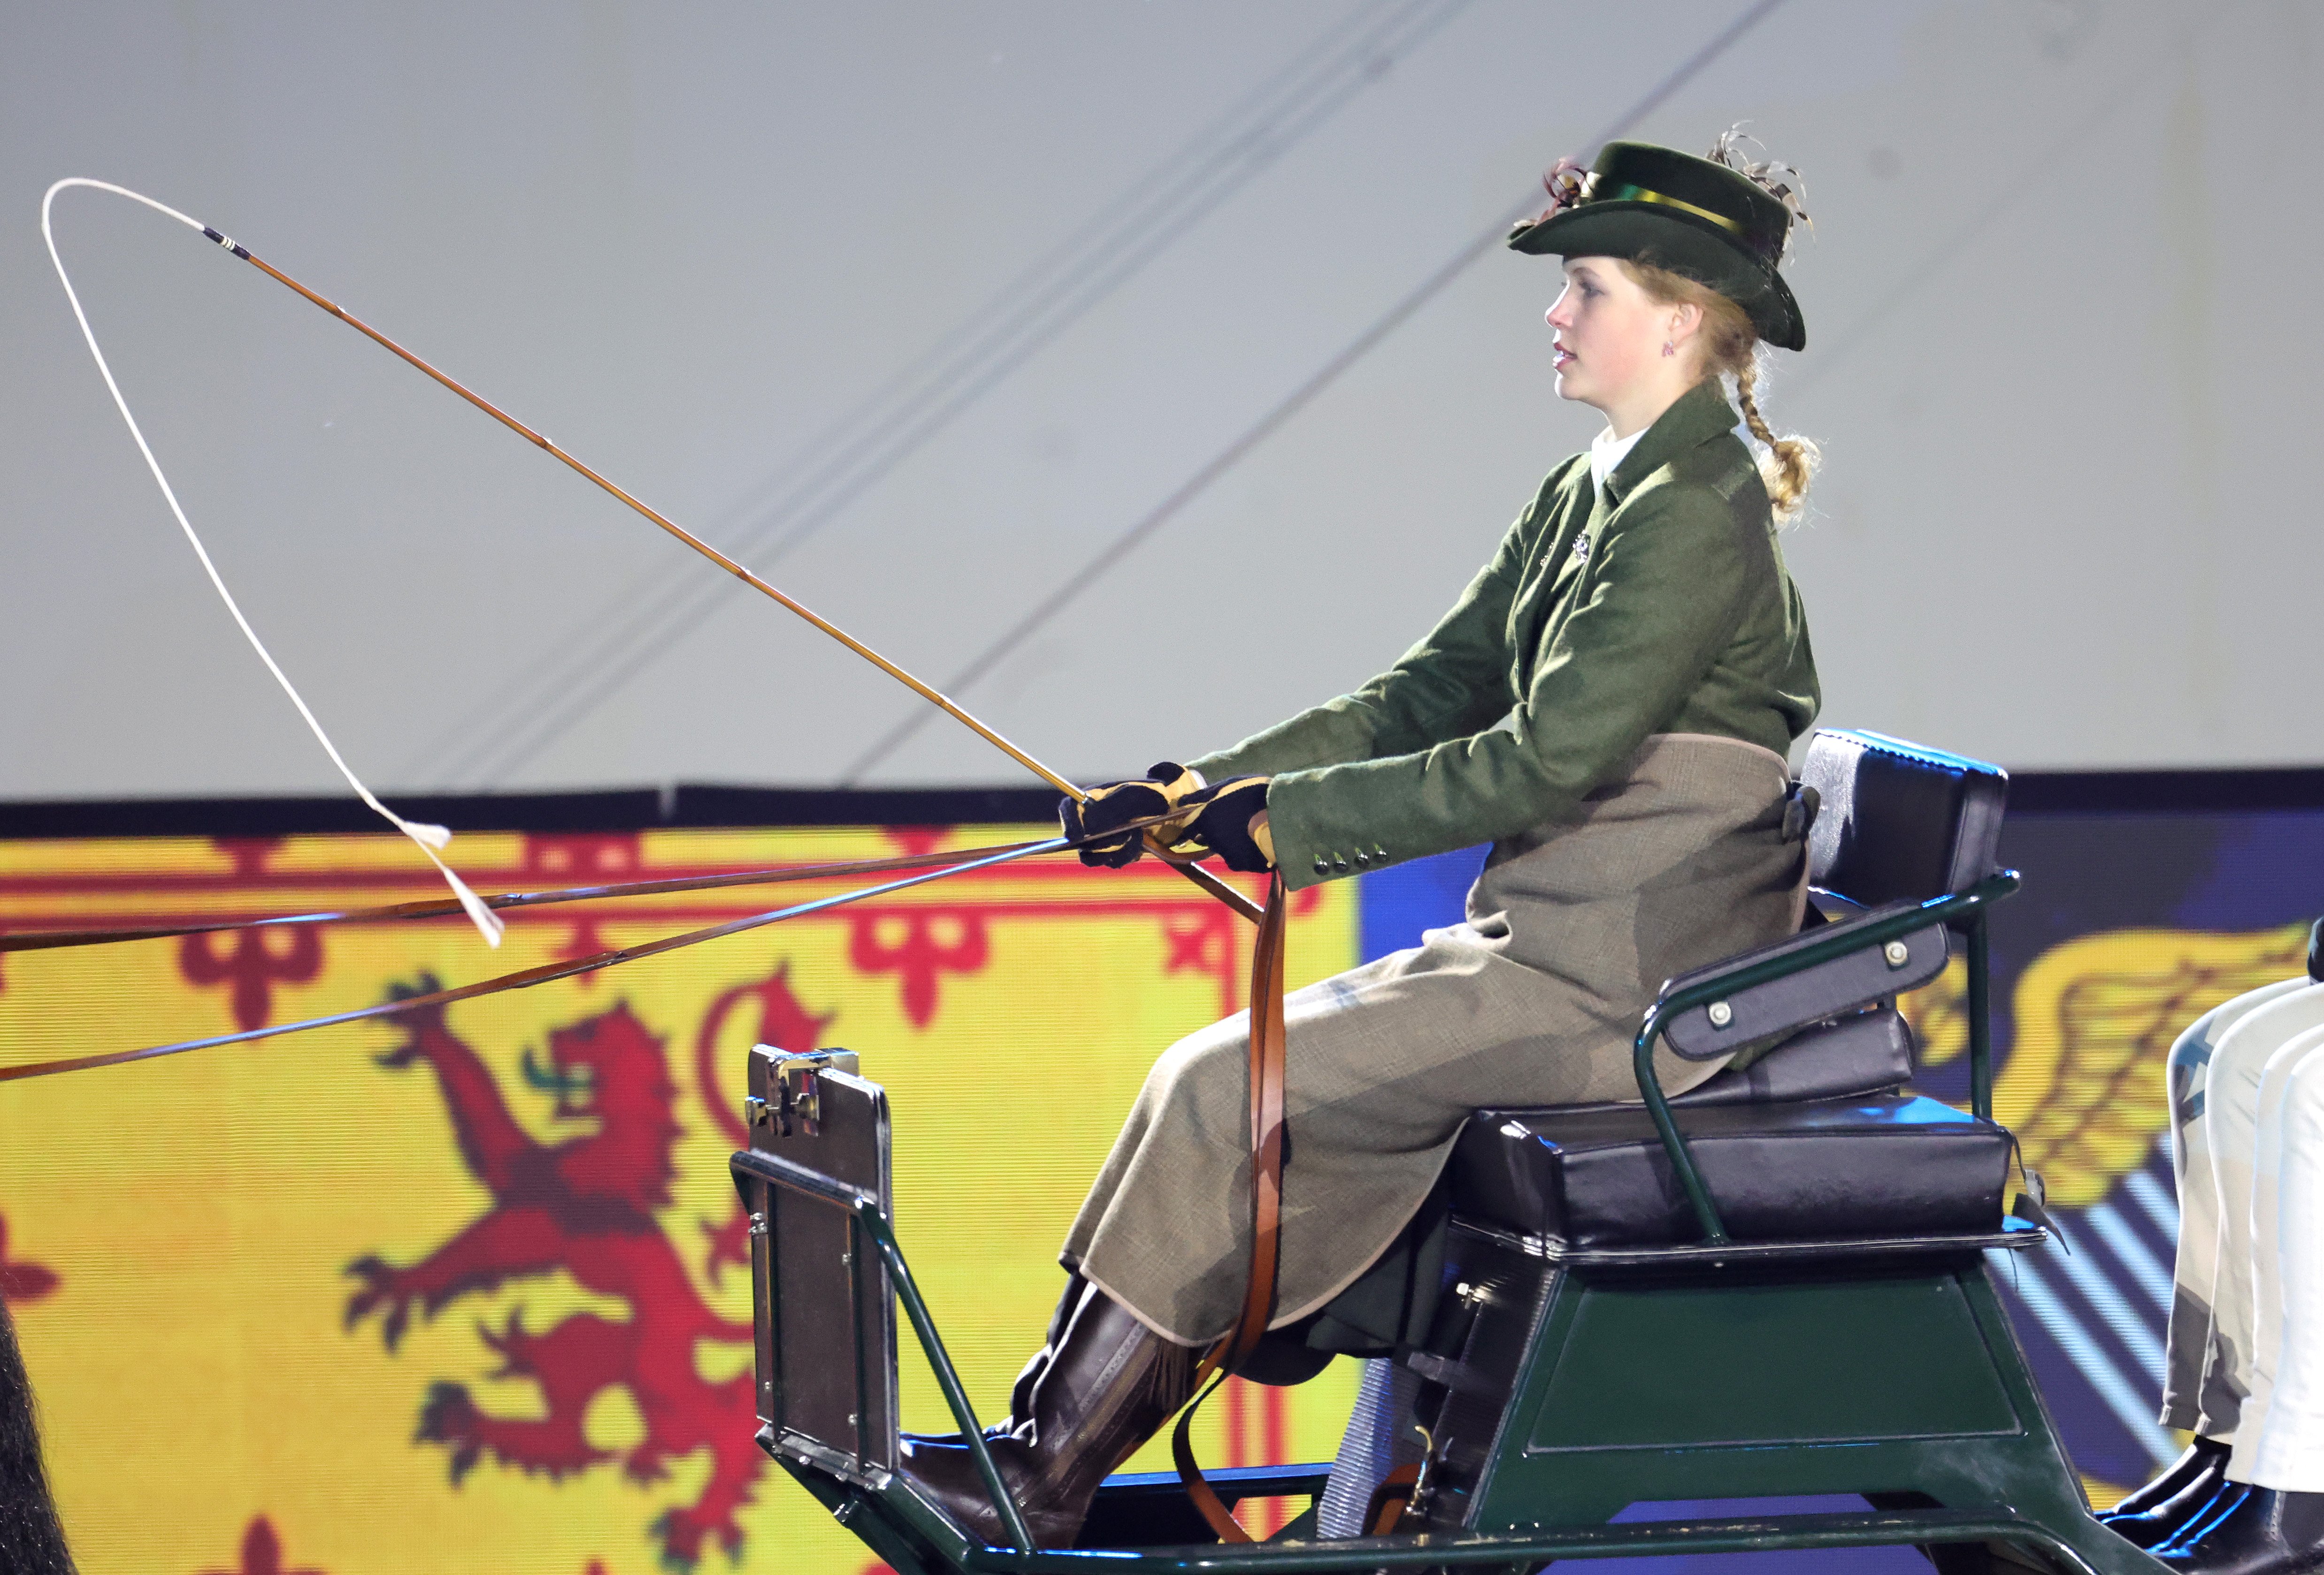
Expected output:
{"points": [[943, 702]]}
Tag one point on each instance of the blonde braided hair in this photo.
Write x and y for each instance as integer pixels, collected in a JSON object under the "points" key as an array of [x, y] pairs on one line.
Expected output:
{"points": [[1729, 346]]}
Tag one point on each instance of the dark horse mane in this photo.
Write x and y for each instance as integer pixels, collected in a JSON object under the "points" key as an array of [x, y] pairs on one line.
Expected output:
{"points": [[32, 1537]]}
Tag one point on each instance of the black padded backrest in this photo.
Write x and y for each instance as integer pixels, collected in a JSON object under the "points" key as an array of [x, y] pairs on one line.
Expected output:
{"points": [[1899, 821]]}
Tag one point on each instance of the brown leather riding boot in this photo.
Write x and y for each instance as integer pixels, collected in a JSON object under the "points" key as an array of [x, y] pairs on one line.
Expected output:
{"points": [[1021, 1394], [1109, 1382]]}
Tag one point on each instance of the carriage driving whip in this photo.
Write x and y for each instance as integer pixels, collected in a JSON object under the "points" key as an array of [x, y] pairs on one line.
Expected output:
{"points": [[433, 838], [1265, 1036]]}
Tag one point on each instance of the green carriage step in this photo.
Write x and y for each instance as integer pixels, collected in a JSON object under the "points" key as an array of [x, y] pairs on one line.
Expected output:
{"points": [[1750, 1533]]}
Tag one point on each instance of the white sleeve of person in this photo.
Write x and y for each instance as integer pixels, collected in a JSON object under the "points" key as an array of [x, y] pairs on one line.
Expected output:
{"points": [[2248, 1368]]}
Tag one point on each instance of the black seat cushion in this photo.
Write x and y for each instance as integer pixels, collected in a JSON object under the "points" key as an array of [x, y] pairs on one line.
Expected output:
{"points": [[1892, 1165], [1899, 820]]}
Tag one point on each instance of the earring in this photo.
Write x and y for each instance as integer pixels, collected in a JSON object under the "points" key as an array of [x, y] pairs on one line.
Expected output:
{"points": [[1669, 348]]}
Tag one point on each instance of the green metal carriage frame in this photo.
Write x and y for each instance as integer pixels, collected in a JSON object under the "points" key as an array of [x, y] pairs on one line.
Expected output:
{"points": [[1884, 1367]]}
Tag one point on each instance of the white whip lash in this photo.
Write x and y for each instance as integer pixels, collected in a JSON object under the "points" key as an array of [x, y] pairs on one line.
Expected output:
{"points": [[430, 839]]}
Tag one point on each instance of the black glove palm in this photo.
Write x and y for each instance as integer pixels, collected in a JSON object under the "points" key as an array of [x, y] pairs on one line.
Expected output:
{"points": [[1223, 824], [1112, 804]]}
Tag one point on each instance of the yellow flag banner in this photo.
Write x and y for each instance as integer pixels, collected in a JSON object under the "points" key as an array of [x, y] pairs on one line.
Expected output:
{"points": [[467, 1289]]}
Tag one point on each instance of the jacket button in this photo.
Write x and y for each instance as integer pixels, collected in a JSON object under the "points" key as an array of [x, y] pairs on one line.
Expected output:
{"points": [[1322, 866], [1363, 857], [1341, 865], [1379, 852]]}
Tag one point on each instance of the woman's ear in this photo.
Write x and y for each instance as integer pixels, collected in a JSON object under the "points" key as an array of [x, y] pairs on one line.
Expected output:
{"points": [[1684, 322]]}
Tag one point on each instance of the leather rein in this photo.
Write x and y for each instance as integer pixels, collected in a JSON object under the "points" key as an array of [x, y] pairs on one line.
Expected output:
{"points": [[928, 867], [1266, 1137]]}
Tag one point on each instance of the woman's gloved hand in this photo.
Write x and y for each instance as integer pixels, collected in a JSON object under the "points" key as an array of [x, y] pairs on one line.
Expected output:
{"points": [[1112, 805], [1231, 823]]}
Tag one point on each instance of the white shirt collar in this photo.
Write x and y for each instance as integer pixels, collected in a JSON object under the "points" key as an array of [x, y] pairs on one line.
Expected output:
{"points": [[1607, 451]]}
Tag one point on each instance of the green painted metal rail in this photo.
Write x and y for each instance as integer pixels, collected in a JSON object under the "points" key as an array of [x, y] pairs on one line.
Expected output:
{"points": [[875, 1224]]}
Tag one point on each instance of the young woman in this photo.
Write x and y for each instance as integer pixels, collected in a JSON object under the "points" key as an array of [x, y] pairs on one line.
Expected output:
{"points": [[1609, 705]]}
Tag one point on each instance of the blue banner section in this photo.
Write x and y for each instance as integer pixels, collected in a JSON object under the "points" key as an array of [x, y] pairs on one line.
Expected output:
{"points": [[2130, 927], [1396, 904]]}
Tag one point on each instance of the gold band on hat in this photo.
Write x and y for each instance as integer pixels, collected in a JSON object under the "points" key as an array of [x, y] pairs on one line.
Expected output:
{"points": [[1641, 194]]}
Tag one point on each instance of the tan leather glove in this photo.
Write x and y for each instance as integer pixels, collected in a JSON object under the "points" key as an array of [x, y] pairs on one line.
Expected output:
{"points": [[1231, 821], [1166, 785]]}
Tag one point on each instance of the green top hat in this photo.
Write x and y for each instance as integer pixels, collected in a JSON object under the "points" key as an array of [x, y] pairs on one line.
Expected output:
{"points": [[1657, 205]]}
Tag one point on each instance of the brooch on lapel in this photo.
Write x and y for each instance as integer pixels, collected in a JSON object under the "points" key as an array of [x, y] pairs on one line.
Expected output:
{"points": [[1580, 552]]}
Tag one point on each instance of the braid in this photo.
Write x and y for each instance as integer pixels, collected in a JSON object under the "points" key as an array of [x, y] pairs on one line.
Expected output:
{"points": [[1729, 347], [1791, 460]]}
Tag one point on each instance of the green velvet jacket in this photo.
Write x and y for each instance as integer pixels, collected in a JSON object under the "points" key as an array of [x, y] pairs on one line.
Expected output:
{"points": [[1662, 607]]}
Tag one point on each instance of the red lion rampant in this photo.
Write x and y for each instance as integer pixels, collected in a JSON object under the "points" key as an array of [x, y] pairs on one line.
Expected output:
{"points": [[588, 1205]]}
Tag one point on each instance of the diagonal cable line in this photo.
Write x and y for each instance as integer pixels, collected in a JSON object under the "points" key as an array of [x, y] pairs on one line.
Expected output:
{"points": [[848, 439], [572, 694], [597, 656], [981, 665]]}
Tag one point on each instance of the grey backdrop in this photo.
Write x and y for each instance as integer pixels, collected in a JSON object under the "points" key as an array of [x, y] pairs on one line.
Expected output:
{"points": [[2061, 357]]}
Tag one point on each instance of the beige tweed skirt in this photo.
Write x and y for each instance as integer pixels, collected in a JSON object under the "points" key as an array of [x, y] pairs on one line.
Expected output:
{"points": [[1533, 1000]]}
